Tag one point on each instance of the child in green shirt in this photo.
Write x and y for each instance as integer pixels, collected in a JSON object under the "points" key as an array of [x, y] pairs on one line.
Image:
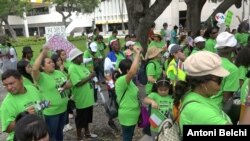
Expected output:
{"points": [[161, 103]]}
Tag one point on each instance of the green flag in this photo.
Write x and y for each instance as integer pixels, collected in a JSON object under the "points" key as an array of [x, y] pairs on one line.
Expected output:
{"points": [[229, 17]]}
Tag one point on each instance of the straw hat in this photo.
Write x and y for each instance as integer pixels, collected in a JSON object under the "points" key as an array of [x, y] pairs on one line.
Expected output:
{"points": [[152, 52]]}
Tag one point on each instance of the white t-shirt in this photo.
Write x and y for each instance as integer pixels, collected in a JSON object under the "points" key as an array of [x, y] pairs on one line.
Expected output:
{"points": [[13, 54]]}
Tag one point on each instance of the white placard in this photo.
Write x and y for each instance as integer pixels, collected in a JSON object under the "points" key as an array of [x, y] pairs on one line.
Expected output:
{"points": [[50, 31]]}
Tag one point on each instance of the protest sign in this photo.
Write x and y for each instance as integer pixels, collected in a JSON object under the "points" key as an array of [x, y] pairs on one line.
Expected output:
{"points": [[58, 42]]}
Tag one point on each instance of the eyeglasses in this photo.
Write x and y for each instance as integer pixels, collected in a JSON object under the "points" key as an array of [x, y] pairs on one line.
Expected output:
{"points": [[218, 80]]}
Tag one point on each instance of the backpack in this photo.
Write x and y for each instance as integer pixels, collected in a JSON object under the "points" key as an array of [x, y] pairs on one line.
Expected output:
{"points": [[169, 129], [142, 75]]}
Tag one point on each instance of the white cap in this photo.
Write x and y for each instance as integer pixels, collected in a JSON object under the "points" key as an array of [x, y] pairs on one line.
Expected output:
{"points": [[93, 47], [130, 43], [199, 39], [225, 39], [170, 46], [74, 53]]}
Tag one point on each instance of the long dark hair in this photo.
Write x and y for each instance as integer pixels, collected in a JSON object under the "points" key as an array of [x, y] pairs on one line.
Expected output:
{"points": [[124, 66], [21, 67]]}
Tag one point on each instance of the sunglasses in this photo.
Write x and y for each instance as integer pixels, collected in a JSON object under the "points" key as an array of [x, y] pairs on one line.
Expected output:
{"points": [[218, 80]]}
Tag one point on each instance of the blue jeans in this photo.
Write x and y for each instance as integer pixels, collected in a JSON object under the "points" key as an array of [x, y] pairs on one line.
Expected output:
{"points": [[55, 125], [128, 132]]}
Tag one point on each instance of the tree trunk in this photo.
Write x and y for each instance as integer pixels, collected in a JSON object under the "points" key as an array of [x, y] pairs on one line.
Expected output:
{"points": [[1, 28], [193, 16], [222, 8], [141, 17], [11, 30]]}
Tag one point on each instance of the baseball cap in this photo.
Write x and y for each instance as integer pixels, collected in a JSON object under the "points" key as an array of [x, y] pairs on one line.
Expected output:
{"points": [[93, 47], [225, 39], [199, 39]]}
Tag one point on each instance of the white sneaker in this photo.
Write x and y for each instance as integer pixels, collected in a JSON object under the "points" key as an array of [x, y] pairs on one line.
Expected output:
{"points": [[67, 128]]}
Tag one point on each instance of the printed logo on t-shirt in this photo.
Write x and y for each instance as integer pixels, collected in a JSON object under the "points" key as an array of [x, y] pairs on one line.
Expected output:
{"points": [[60, 82]]}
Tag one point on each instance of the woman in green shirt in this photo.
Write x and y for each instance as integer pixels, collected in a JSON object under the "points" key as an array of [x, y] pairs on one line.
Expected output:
{"points": [[127, 96], [204, 78], [83, 93], [52, 84]]}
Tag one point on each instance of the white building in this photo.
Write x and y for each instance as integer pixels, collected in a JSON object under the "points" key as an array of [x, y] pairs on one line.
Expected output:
{"points": [[108, 16]]}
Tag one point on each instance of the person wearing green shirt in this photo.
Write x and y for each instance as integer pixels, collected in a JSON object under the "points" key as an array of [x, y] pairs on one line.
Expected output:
{"points": [[157, 42], [52, 84], [153, 67], [242, 61], [225, 46], [100, 44], [93, 60], [174, 38], [25, 69], [199, 44], [83, 93], [161, 103], [112, 37], [28, 54], [127, 96], [203, 81], [66, 63], [210, 42], [19, 98]]}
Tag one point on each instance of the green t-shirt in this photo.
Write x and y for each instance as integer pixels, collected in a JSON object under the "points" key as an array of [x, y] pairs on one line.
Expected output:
{"points": [[160, 44], [66, 64], [14, 104], [101, 48], [48, 85], [165, 104], [111, 38], [210, 45], [90, 64], [128, 113], [195, 50], [202, 111], [153, 69], [119, 58], [242, 72], [83, 95], [242, 38], [26, 81], [244, 91], [229, 83]]}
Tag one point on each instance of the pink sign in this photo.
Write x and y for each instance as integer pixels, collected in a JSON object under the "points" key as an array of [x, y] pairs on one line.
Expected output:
{"points": [[58, 42]]}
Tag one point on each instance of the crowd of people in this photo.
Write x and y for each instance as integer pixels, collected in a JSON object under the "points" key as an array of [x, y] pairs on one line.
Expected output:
{"points": [[203, 72]]}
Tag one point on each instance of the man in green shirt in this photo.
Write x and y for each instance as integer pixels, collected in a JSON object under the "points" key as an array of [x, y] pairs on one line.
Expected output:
{"points": [[112, 37], [199, 44], [19, 98], [210, 43], [226, 44]]}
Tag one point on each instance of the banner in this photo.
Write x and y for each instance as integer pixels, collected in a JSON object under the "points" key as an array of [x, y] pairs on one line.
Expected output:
{"points": [[58, 42], [229, 17]]}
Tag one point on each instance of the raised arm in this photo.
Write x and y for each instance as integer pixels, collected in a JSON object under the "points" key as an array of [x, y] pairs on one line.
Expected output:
{"points": [[133, 69], [37, 64]]}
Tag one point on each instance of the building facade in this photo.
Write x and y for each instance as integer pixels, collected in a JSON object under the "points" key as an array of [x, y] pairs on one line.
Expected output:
{"points": [[110, 15]]}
